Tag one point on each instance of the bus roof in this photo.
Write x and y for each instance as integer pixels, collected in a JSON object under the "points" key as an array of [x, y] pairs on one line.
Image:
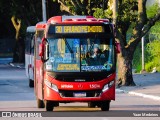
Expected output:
{"points": [[41, 25], [31, 29], [76, 20]]}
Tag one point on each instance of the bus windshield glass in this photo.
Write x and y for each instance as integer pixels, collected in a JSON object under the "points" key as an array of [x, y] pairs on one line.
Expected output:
{"points": [[80, 55]]}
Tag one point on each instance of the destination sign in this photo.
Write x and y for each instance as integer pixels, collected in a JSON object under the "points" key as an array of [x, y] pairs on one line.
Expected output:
{"points": [[72, 67], [79, 29]]}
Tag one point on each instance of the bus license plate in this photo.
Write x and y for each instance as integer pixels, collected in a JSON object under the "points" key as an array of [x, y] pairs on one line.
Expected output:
{"points": [[80, 94]]}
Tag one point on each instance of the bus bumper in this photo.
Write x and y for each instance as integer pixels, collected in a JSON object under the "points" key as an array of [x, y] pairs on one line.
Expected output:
{"points": [[58, 95]]}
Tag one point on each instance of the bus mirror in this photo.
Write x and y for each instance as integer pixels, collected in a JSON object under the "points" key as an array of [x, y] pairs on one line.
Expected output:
{"points": [[46, 51], [41, 50], [118, 47]]}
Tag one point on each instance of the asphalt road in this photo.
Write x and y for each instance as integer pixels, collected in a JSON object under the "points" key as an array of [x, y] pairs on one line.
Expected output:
{"points": [[15, 95]]}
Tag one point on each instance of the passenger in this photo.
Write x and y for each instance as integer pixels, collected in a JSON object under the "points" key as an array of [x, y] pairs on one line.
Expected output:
{"points": [[88, 55]]}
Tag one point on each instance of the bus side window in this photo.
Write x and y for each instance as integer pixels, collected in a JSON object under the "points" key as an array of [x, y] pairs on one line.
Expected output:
{"points": [[37, 49], [32, 44], [27, 43]]}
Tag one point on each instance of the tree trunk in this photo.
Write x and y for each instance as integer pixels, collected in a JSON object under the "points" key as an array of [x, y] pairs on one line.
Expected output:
{"points": [[15, 53], [125, 77], [19, 52]]}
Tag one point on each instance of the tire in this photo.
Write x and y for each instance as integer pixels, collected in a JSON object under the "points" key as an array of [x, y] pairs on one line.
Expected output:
{"points": [[49, 105], [31, 83], [91, 105], [40, 103], [105, 105]]}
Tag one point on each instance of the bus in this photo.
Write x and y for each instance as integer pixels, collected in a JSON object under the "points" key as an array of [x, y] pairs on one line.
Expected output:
{"points": [[29, 54], [76, 62]]}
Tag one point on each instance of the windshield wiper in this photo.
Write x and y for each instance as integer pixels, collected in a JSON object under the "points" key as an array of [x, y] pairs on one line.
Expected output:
{"points": [[68, 46]]}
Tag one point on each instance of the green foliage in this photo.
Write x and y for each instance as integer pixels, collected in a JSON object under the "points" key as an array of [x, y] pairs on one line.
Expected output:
{"points": [[153, 48], [156, 28], [152, 10], [137, 64], [154, 59], [83, 7], [99, 13]]}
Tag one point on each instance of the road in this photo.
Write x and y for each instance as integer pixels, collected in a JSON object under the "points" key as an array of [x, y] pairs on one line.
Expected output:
{"points": [[15, 95]]}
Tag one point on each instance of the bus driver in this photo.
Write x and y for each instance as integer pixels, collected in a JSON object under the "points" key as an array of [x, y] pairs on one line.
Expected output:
{"points": [[96, 53]]}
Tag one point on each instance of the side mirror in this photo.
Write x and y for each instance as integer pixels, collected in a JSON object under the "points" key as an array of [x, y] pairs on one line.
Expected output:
{"points": [[44, 50], [118, 47]]}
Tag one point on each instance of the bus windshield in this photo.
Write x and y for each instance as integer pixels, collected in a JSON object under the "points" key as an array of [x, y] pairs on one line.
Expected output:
{"points": [[80, 55]]}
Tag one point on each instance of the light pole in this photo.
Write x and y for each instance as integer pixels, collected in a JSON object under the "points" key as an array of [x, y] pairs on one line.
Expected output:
{"points": [[44, 10], [143, 64], [115, 11]]}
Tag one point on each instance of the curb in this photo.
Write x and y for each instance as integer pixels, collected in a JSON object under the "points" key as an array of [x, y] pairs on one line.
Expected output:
{"points": [[120, 91], [139, 94], [11, 64], [18, 66], [144, 95]]}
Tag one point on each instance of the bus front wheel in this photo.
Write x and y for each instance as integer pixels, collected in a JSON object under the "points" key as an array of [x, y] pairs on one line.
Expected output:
{"points": [[49, 105], [105, 105]]}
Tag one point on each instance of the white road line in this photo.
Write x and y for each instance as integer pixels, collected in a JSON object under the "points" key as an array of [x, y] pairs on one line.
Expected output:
{"points": [[144, 95], [139, 94]]}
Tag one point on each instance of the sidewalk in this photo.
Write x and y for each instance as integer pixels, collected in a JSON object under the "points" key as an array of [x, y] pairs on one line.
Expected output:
{"points": [[147, 86]]}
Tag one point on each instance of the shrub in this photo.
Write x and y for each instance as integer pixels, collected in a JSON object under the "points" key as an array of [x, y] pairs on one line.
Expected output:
{"points": [[154, 57]]}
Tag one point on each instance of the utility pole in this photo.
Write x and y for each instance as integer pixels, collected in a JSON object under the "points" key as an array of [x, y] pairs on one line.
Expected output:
{"points": [[103, 6], [115, 11], [44, 10], [143, 64]]}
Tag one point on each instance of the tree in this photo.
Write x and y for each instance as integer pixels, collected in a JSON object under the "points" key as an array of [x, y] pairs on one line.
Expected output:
{"points": [[82, 7], [17, 25], [21, 18], [17, 15], [131, 14]]}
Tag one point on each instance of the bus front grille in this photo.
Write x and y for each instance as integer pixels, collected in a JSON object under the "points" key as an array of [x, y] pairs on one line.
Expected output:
{"points": [[91, 93]]}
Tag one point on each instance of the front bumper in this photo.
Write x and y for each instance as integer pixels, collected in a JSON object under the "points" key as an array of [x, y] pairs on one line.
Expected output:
{"points": [[93, 91]]}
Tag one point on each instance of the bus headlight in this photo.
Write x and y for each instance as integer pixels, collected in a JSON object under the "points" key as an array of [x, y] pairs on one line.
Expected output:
{"points": [[107, 86], [51, 85]]}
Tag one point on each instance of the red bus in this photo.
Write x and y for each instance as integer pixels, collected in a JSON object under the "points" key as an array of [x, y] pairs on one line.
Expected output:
{"points": [[76, 62], [38, 69], [29, 49]]}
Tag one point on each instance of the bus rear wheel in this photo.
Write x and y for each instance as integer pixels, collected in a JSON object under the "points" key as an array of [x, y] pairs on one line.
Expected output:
{"points": [[31, 83], [40, 103], [105, 105]]}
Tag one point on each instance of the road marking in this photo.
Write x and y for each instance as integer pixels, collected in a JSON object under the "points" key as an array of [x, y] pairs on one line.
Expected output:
{"points": [[139, 94], [145, 96]]}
